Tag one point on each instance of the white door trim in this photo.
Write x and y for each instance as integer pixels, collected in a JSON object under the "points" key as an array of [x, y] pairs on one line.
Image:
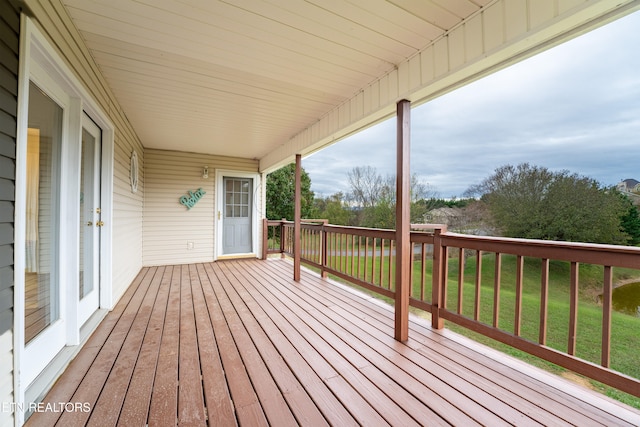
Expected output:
{"points": [[219, 217]]}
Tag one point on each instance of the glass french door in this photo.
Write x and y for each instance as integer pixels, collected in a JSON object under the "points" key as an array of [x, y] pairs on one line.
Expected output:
{"points": [[90, 222], [63, 171], [44, 320]]}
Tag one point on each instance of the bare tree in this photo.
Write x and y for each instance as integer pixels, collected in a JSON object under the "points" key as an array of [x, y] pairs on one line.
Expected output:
{"points": [[369, 188], [366, 186]]}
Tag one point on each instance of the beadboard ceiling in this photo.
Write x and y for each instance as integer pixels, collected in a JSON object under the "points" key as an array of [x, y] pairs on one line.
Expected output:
{"points": [[241, 77]]}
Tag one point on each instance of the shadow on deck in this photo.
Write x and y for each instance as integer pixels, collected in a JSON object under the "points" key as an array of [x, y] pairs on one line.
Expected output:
{"points": [[241, 342]]}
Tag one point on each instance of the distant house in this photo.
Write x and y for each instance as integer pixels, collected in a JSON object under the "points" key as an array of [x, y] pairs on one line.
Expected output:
{"points": [[444, 215], [629, 186]]}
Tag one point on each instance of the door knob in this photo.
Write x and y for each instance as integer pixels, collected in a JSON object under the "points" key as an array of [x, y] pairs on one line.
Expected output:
{"points": [[90, 223]]}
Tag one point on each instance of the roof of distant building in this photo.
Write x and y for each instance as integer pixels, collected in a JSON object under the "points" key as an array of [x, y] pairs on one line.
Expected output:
{"points": [[630, 182]]}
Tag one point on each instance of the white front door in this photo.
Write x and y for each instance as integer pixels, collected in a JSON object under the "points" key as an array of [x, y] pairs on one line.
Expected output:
{"points": [[90, 220], [237, 216]]}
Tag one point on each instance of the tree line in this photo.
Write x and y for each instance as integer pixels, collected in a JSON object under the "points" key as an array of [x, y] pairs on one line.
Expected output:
{"points": [[524, 201]]}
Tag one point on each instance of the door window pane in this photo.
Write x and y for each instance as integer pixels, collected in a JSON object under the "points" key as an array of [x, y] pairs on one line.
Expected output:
{"points": [[42, 219], [237, 197], [87, 204]]}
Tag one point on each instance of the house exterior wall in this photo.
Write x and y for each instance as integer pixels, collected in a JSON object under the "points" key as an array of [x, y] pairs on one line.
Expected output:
{"points": [[503, 33], [55, 23], [9, 49], [168, 225]]}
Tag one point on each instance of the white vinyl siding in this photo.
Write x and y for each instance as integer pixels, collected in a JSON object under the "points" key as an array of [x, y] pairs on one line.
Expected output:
{"points": [[174, 234], [9, 48], [127, 206]]}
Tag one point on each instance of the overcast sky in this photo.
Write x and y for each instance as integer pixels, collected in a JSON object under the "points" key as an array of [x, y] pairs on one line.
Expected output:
{"points": [[574, 107]]}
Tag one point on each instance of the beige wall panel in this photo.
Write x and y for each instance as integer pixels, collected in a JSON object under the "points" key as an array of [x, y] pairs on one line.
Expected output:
{"points": [[457, 48], [493, 27], [367, 100], [565, 5], [541, 11], [344, 114], [172, 234], [441, 56], [428, 66], [384, 90], [516, 18], [473, 44], [403, 77], [357, 105], [415, 72], [394, 92], [375, 96]]}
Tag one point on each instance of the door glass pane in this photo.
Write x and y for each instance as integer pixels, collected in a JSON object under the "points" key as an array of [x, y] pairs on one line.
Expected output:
{"points": [[87, 209], [43, 200]]}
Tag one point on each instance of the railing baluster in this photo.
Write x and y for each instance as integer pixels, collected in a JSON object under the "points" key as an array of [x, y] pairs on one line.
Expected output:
{"points": [[389, 276], [607, 296], [573, 309], [323, 242], [437, 322], [518, 312], [334, 251], [303, 243], [411, 268], [476, 311], [381, 264], [366, 257], [373, 260], [544, 300], [423, 268], [445, 275], [283, 239], [318, 246], [353, 245], [343, 253], [496, 289], [460, 279], [359, 243]]}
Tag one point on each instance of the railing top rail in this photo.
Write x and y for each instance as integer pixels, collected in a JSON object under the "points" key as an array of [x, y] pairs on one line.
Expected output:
{"points": [[358, 231], [362, 231], [591, 253], [430, 227]]}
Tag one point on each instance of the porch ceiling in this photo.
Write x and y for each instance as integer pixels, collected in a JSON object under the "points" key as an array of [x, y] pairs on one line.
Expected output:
{"points": [[239, 78], [245, 77]]}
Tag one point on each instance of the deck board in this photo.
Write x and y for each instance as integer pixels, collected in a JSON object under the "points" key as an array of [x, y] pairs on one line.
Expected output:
{"points": [[240, 343]]}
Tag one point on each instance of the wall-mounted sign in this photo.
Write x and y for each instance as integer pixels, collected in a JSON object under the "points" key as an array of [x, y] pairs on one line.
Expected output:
{"points": [[192, 198], [133, 171]]}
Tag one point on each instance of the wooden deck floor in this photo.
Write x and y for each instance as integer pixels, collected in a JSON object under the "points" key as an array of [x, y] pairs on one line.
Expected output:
{"points": [[240, 342]]}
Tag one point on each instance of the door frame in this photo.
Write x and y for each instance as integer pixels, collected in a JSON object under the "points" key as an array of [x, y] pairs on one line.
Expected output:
{"points": [[38, 54], [91, 302], [219, 217]]}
